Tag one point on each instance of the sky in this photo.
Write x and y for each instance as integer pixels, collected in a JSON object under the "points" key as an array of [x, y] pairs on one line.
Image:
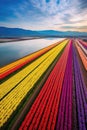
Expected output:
{"points": [[62, 15]]}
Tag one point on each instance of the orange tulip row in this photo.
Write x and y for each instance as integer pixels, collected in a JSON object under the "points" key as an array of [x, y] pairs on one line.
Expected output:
{"points": [[82, 56]]}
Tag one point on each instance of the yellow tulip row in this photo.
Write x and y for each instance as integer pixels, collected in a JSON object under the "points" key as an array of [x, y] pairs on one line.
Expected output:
{"points": [[22, 60], [18, 62], [14, 80], [9, 103]]}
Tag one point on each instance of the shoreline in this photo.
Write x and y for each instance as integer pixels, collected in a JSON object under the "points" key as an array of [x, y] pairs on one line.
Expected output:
{"points": [[5, 40], [14, 39]]}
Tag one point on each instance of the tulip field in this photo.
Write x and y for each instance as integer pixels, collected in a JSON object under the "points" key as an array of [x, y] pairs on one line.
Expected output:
{"points": [[46, 90]]}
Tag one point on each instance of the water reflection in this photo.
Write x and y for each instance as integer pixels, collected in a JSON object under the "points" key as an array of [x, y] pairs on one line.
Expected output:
{"points": [[12, 51]]}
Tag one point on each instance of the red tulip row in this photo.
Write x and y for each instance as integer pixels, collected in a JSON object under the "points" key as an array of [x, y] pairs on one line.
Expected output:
{"points": [[43, 113], [64, 121]]}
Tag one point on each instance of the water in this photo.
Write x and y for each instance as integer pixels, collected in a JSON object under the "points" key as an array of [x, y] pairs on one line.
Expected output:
{"points": [[12, 51]]}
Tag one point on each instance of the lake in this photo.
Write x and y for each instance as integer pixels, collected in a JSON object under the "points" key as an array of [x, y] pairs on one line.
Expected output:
{"points": [[11, 51]]}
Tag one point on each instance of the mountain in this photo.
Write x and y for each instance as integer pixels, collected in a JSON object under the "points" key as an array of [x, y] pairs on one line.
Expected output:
{"points": [[63, 34], [49, 32], [17, 32]]}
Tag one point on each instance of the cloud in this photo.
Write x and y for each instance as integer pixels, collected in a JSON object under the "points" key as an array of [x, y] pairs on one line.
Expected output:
{"points": [[52, 7], [73, 27], [47, 14]]}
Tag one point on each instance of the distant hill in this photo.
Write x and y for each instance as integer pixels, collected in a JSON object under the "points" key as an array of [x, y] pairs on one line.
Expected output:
{"points": [[17, 32], [60, 33]]}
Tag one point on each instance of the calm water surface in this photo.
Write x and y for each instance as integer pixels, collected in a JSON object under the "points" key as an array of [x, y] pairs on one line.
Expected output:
{"points": [[12, 51]]}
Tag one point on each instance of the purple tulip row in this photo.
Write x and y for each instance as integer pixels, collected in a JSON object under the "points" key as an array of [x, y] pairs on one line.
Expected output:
{"points": [[64, 121], [81, 94]]}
